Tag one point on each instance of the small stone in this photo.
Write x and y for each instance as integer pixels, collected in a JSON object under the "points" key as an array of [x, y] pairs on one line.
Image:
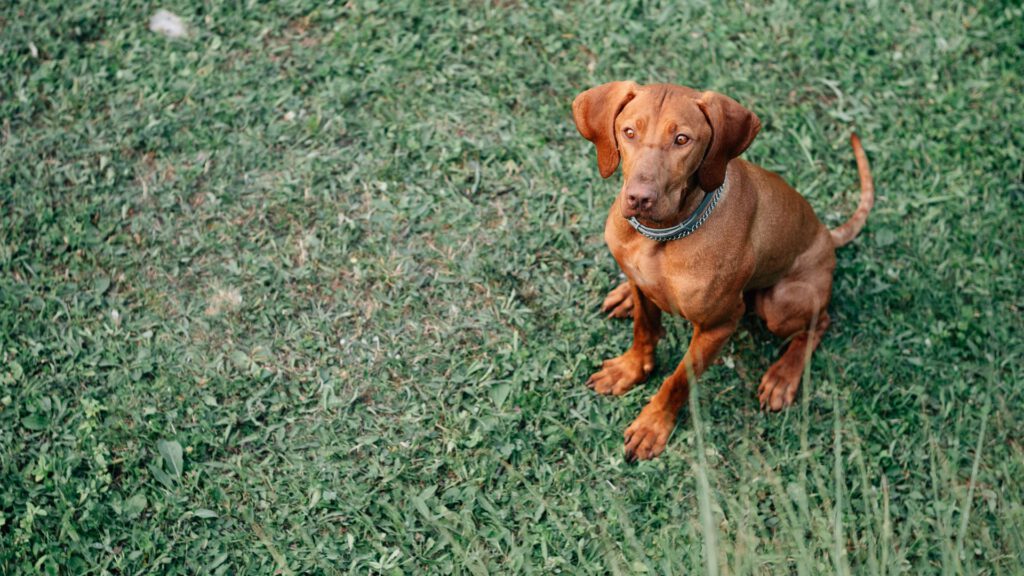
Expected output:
{"points": [[168, 23]]}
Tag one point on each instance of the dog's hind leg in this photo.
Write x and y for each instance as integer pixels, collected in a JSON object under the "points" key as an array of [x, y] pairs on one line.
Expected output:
{"points": [[795, 309], [619, 302]]}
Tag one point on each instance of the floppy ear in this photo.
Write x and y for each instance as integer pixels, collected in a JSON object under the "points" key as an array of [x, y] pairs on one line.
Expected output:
{"points": [[733, 128], [594, 112]]}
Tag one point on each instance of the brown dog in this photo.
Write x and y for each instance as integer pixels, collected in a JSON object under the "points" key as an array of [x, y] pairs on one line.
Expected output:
{"points": [[737, 236]]}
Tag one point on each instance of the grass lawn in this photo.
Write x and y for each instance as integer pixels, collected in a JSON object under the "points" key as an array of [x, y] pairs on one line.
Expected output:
{"points": [[315, 289]]}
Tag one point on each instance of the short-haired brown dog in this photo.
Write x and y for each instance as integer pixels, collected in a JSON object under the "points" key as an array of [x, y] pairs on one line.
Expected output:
{"points": [[705, 235]]}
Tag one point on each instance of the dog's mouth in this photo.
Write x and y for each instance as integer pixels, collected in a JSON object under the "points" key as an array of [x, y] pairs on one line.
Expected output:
{"points": [[652, 215], [645, 218], [639, 214]]}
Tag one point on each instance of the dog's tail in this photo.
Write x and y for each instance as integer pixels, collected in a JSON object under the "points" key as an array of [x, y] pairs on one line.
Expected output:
{"points": [[846, 232]]}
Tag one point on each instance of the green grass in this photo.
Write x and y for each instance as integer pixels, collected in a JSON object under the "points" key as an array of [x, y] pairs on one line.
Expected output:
{"points": [[347, 259]]}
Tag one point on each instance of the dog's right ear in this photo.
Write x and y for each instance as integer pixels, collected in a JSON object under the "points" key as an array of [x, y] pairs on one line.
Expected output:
{"points": [[595, 111]]}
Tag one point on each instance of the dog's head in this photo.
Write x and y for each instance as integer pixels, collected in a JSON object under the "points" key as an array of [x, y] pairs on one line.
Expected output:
{"points": [[670, 140]]}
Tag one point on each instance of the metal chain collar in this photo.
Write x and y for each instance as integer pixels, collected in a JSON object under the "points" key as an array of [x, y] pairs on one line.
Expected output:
{"points": [[686, 227]]}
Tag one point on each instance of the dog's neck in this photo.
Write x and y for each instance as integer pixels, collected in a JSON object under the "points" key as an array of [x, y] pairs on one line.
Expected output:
{"points": [[690, 199], [698, 205]]}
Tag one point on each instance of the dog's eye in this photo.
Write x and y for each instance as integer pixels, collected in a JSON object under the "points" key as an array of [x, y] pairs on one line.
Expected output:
{"points": [[629, 132], [682, 139]]}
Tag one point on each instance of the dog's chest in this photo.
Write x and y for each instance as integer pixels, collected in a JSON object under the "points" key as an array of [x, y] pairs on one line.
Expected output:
{"points": [[644, 267], [663, 277]]}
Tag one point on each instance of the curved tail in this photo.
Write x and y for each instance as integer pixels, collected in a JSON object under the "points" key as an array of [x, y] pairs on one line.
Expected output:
{"points": [[843, 234]]}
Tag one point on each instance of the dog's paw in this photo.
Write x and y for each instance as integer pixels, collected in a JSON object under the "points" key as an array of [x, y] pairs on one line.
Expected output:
{"points": [[779, 386], [619, 302], [647, 436], [619, 375]]}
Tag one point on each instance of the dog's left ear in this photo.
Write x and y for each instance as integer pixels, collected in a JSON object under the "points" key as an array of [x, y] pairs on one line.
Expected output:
{"points": [[733, 128], [594, 112]]}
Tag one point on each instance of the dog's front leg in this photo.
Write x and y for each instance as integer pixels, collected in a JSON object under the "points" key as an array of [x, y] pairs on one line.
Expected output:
{"points": [[647, 436], [619, 375]]}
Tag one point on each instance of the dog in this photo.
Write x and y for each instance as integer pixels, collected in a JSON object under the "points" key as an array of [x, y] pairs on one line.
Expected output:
{"points": [[703, 234]]}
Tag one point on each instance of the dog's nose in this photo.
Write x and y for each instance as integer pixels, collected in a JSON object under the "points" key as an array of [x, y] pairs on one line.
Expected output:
{"points": [[640, 198]]}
